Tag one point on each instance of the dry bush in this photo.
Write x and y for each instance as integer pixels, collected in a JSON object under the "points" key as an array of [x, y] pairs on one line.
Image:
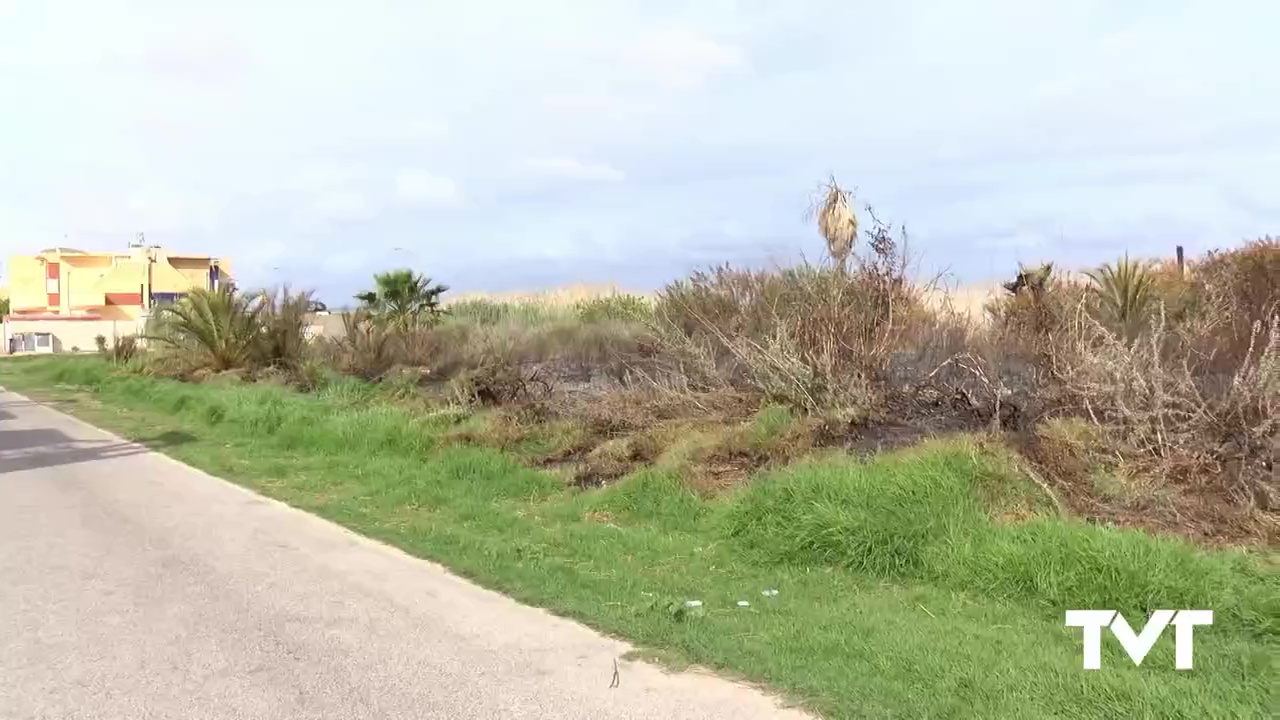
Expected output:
{"points": [[283, 342], [1232, 291], [124, 350], [811, 337], [492, 360], [1179, 418]]}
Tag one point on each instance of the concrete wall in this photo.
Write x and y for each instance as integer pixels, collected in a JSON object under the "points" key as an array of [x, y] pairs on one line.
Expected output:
{"points": [[72, 333], [330, 326]]}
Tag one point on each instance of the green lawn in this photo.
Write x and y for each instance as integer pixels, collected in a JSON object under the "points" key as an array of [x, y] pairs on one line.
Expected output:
{"points": [[898, 595]]}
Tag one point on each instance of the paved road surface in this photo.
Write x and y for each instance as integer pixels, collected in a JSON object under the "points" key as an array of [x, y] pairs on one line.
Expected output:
{"points": [[132, 586]]}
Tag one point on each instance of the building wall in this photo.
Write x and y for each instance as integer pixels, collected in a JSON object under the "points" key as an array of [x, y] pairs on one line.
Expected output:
{"points": [[26, 284], [72, 333], [80, 277], [194, 271]]}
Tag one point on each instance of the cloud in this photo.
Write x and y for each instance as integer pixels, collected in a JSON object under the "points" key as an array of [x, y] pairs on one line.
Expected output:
{"points": [[572, 169], [419, 187], [683, 58], [635, 138]]}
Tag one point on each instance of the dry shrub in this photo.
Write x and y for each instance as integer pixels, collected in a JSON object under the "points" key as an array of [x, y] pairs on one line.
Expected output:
{"points": [[1233, 291], [493, 361], [1177, 417], [283, 341], [124, 350], [811, 337]]}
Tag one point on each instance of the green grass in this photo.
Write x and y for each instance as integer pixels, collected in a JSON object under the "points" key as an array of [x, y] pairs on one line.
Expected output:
{"points": [[899, 594]]}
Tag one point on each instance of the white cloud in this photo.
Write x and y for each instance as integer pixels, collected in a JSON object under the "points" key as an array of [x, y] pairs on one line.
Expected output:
{"points": [[419, 187], [683, 58], [572, 169]]}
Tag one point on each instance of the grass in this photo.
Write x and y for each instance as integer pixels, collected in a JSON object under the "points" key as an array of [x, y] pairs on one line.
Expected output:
{"points": [[924, 583]]}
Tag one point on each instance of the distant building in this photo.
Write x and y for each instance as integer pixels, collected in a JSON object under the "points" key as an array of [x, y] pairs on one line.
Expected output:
{"points": [[62, 298], [114, 285]]}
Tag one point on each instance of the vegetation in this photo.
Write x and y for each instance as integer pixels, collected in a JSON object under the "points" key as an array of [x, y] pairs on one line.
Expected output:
{"points": [[926, 582], [1124, 291], [402, 299], [4, 306], [213, 331], [823, 429]]}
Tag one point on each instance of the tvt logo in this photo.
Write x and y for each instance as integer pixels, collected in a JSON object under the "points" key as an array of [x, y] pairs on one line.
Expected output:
{"points": [[1137, 645]]}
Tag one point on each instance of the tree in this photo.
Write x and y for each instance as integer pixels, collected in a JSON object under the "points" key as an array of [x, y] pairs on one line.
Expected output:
{"points": [[217, 329], [4, 306], [402, 298]]}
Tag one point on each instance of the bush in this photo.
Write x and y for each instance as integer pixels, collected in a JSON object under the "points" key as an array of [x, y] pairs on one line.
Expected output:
{"points": [[812, 337], [283, 341], [101, 342], [615, 308], [209, 329], [125, 349], [222, 330], [1235, 291]]}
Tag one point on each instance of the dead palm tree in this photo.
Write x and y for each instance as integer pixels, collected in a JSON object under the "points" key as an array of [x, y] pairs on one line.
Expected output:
{"points": [[837, 223]]}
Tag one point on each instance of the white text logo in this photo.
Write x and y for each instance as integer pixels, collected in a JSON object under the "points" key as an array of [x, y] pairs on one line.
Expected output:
{"points": [[1137, 645]]}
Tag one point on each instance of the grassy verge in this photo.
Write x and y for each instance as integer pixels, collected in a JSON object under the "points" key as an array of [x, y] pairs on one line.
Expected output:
{"points": [[925, 583]]}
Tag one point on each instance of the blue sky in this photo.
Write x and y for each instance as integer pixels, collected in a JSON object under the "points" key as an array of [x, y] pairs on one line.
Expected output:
{"points": [[516, 145]]}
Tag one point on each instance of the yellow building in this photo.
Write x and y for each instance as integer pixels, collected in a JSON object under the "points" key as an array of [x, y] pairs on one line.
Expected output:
{"points": [[110, 285], [63, 298]]}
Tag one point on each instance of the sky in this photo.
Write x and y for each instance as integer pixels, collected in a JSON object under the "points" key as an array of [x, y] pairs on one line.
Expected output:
{"points": [[501, 145]]}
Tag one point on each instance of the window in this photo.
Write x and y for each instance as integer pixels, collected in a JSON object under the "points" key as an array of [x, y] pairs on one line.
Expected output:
{"points": [[162, 298], [43, 340]]}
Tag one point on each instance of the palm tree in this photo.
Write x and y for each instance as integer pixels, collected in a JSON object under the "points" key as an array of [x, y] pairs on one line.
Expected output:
{"points": [[402, 298], [1125, 292], [217, 329]]}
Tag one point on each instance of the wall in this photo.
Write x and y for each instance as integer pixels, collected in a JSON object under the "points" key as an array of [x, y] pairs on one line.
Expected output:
{"points": [[80, 276], [26, 284], [71, 332], [195, 273]]}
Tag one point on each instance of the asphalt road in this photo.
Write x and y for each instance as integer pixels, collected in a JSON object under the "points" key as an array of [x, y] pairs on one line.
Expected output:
{"points": [[132, 586]]}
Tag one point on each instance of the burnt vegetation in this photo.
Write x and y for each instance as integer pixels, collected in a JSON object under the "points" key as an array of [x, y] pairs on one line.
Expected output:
{"points": [[1141, 393]]}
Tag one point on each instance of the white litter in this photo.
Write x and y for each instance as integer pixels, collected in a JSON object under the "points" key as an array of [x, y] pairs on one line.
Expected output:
{"points": [[769, 593], [743, 603], [693, 603]]}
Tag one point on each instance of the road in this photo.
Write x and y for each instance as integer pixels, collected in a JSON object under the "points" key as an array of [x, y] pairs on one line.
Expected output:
{"points": [[132, 586]]}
